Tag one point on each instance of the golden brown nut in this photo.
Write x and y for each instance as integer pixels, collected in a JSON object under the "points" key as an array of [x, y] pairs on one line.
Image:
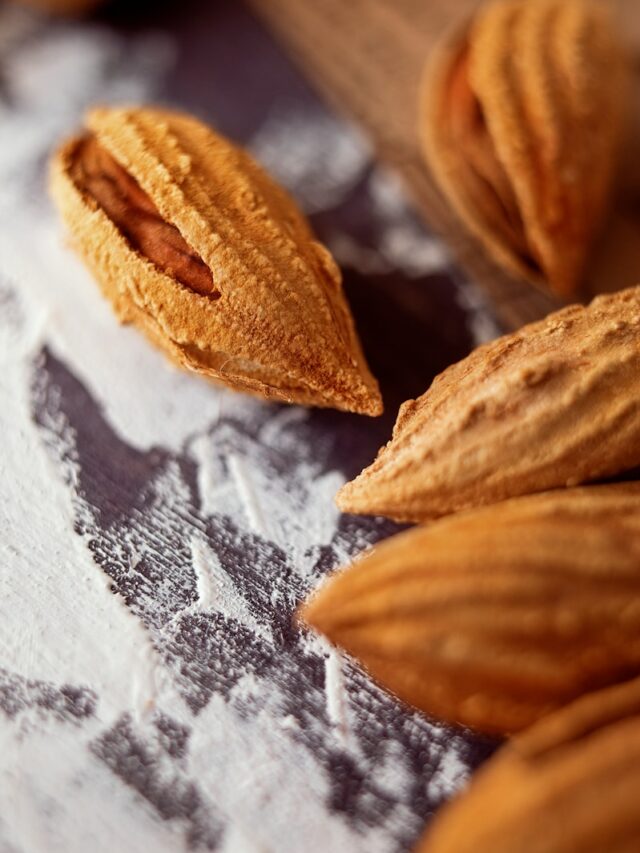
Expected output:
{"points": [[554, 404], [522, 118], [194, 244], [494, 617], [568, 785]]}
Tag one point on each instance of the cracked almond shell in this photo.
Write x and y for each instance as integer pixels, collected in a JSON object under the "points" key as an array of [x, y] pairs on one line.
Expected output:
{"points": [[555, 404], [568, 785], [523, 112], [494, 617], [195, 245]]}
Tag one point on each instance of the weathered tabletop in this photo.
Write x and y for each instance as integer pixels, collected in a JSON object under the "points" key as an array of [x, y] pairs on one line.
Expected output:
{"points": [[156, 533]]}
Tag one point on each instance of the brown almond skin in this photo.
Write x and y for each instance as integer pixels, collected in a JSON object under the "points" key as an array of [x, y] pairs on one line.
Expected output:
{"points": [[523, 113], [555, 404], [568, 785], [195, 245], [100, 177], [494, 617]]}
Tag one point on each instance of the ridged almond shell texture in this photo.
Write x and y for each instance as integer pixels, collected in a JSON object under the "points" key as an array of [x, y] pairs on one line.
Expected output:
{"points": [[555, 404], [494, 617], [522, 115], [568, 785], [193, 243]]}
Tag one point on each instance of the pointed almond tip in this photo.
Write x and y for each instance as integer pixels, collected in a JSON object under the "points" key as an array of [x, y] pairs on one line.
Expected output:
{"points": [[369, 404], [358, 402], [343, 383], [324, 609], [303, 616], [300, 618], [376, 405], [310, 614], [364, 397], [352, 498], [343, 498], [369, 494]]}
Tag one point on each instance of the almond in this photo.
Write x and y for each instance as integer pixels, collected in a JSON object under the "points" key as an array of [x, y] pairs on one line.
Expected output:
{"points": [[494, 617], [568, 785], [555, 404], [523, 112], [194, 244]]}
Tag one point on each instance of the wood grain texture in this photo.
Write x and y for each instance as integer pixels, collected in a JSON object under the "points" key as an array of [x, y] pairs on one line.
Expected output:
{"points": [[367, 58]]}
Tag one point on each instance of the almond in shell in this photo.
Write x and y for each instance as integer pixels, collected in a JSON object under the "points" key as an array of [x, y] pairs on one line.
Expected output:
{"points": [[568, 785], [494, 617], [554, 404], [193, 243], [523, 113]]}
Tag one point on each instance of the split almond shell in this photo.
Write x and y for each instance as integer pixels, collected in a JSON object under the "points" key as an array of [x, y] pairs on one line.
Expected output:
{"points": [[278, 324]]}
